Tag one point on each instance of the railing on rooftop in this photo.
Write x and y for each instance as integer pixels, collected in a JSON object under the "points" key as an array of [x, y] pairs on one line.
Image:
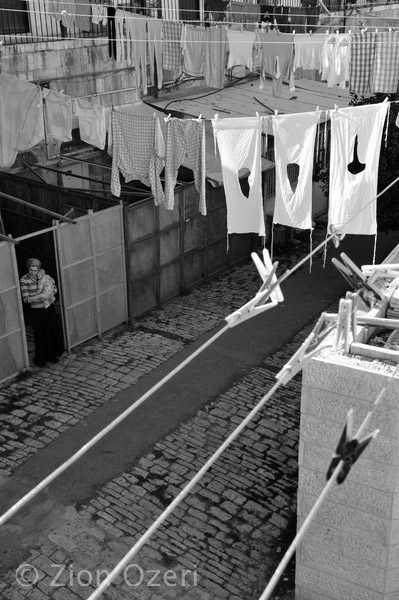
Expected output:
{"points": [[24, 21]]}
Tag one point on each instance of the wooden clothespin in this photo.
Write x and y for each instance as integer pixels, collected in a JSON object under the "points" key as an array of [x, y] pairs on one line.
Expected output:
{"points": [[268, 296], [369, 293], [313, 343], [348, 449], [344, 325]]}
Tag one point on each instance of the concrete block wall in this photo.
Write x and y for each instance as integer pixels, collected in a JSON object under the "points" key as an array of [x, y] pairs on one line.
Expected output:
{"points": [[351, 550], [78, 67]]}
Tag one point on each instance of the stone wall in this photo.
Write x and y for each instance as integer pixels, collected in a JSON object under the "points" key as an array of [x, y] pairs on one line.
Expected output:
{"points": [[79, 67], [351, 550]]}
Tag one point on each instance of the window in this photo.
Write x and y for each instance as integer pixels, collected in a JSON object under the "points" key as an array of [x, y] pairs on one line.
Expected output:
{"points": [[13, 17]]}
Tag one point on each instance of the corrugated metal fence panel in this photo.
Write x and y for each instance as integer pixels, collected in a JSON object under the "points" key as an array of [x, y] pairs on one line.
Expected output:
{"points": [[78, 284], [109, 248], [154, 242], [13, 348], [91, 264]]}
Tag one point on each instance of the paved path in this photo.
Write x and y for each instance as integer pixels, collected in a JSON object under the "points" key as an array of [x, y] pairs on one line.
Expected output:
{"points": [[229, 534]]}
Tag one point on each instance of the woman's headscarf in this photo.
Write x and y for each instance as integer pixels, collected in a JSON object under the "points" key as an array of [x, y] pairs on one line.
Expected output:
{"points": [[33, 262]]}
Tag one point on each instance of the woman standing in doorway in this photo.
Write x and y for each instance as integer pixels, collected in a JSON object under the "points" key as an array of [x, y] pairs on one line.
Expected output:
{"points": [[48, 345]]}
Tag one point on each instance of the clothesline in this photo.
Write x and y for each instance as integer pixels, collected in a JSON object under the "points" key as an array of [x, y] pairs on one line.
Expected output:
{"points": [[213, 23]]}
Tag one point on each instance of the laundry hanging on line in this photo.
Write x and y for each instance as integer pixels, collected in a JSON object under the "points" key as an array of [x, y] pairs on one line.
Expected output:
{"points": [[239, 144], [294, 141], [355, 150], [21, 117]]}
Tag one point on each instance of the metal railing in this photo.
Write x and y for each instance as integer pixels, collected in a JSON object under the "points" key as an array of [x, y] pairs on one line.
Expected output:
{"points": [[26, 22]]}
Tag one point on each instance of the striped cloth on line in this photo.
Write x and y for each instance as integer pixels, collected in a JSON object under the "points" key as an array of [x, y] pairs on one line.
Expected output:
{"points": [[362, 63], [386, 64]]}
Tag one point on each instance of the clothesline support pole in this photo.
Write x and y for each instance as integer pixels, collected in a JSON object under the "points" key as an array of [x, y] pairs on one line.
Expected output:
{"points": [[44, 108]]}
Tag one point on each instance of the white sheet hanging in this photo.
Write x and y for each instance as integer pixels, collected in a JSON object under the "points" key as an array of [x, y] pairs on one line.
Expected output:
{"points": [[294, 139], [355, 142], [239, 143], [91, 119]]}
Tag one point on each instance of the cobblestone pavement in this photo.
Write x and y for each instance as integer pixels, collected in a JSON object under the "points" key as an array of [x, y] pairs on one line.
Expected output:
{"points": [[226, 538]]}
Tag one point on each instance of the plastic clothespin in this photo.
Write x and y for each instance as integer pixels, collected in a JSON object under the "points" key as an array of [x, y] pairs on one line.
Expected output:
{"points": [[265, 269], [385, 270], [269, 294], [313, 343], [357, 280], [353, 316], [344, 325], [348, 449], [293, 32], [168, 118], [199, 118], [337, 236]]}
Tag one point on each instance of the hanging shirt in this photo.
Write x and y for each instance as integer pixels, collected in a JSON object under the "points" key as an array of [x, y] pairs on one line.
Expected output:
{"points": [[215, 56], [386, 64], [308, 50], [336, 60], [193, 48], [185, 138], [99, 14], [239, 143], [355, 151], [136, 152], [68, 13], [241, 44], [294, 139], [20, 109], [362, 50], [277, 60], [172, 55], [91, 119], [82, 12], [58, 114]]}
